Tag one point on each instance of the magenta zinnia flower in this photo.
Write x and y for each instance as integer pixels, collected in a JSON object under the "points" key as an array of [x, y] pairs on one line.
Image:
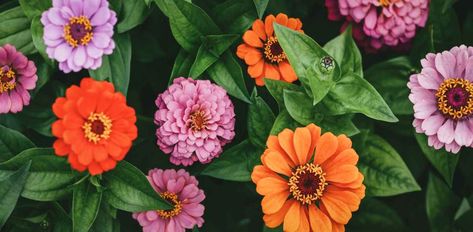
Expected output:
{"points": [[78, 33], [195, 120], [442, 94], [384, 22], [180, 189], [17, 76]]}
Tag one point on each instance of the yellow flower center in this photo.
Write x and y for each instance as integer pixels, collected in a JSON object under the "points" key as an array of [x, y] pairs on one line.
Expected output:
{"points": [[7, 79], [385, 3], [455, 98], [97, 127], [273, 51], [198, 120], [78, 31], [307, 183], [172, 197]]}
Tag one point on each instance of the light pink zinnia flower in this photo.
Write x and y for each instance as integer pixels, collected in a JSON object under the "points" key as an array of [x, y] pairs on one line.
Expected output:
{"points": [[195, 120], [78, 33], [385, 22], [17, 76], [443, 98], [180, 189]]}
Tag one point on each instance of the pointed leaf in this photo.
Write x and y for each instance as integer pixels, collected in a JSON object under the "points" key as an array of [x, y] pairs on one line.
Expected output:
{"points": [[12, 142], [343, 48], [18, 32], [182, 65], [85, 206], [260, 120]]}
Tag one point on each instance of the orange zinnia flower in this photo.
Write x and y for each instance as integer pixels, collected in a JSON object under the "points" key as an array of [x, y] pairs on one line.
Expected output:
{"points": [[262, 52], [95, 127], [305, 191]]}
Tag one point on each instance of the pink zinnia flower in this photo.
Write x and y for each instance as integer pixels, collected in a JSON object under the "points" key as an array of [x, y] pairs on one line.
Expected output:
{"points": [[180, 189], [385, 22], [78, 33], [195, 120], [17, 76], [442, 94]]}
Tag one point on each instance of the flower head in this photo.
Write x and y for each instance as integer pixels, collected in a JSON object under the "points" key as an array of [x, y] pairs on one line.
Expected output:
{"points": [[180, 189], [78, 33], [95, 128], [263, 54], [17, 76], [442, 94], [383, 22], [195, 120], [307, 191]]}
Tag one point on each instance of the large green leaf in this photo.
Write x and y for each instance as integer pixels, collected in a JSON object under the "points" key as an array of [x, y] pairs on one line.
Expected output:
{"points": [[105, 221], [133, 13], [444, 162], [235, 164], [260, 120], [128, 189], [15, 30], [85, 206], [116, 67], [10, 190], [182, 65], [12, 142], [261, 6], [61, 220], [385, 172], [234, 16], [341, 124], [345, 52], [276, 89], [283, 121], [34, 8], [374, 216]]}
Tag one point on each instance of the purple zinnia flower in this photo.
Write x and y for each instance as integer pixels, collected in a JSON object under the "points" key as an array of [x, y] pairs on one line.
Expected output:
{"points": [[17, 76], [180, 189], [195, 120], [443, 98], [78, 33]]}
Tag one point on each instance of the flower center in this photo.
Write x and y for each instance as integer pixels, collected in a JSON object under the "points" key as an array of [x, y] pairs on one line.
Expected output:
{"points": [[172, 197], [198, 120], [273, 51], [78, 31], [455, 98], [97, 127], [7, 79], [307, 183], [385, 3]]}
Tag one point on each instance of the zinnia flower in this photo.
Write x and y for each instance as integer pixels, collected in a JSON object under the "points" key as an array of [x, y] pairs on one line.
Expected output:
{"points": [[307, 191], [17, 76], [442, 94], [78, 33], [384, 22], [195, 120], [95, 128], [263, 54], [182, 190]]}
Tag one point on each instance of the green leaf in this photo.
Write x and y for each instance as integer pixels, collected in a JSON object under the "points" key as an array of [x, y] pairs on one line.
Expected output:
{"points": [[182, 65], [353, 94], [105, 221], [374, 216], [276, 89], [390, 78], [85, 206], [385, 172], [235, 164], [441, 205], [444, 162], [37, 35], [213, 46], [227, 73], [234, 16], [128, 189], [12, 142], [299, 106], [133, 13], [34, 8], [61, 220], [50, 177], [260, 120], [188, 22], [283, 121], [116, 67], [261, 6], [16, 30], [10, 189], [343, 48], [341, 124]]}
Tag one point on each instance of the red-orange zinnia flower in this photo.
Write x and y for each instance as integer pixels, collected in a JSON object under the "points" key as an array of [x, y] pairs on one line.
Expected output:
{"points": [[95, 128], [263, 54], [304, 191]]}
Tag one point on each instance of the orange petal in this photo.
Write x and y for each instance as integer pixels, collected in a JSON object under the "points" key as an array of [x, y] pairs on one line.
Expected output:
{"points": [[260, 172], [257, 69], [86, 157], [273, 144], [286, 138], [292, 218], [357, 183], [242, 49], [251, 38], [292, 23], [72, 136], [304, 223], [360, 192], [108, 164], [95, 169], [72, 159], [271, 185], [343, 143], [337, 210], [58, 107], [258, 28], [337, 227], [276, 162], [351, 199], [299, 25], [120, 139], [271, 72], [282, 19], [61, 148], [342, 174], [73, 121], [114, 150], [253, 57], [272, 203], [318, 220], [104, 102], [302, 142], [326, 147], [268, 25], [73, 92], [100, 153], [287, 72], [346, 157], [274, 220], [87, 105], [315, 135], [57, 128], [259, 81]]}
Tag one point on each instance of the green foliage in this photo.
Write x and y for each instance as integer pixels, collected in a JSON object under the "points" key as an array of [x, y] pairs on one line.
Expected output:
{"points": [[85, 206], [12, 142], [260, 120], [18, 32], [10, 189]]}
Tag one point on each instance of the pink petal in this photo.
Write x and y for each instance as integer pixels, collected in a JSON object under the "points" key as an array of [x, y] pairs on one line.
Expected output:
{"points": [[463, 135], [446, 133], [432, 124], [445, 64]]}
